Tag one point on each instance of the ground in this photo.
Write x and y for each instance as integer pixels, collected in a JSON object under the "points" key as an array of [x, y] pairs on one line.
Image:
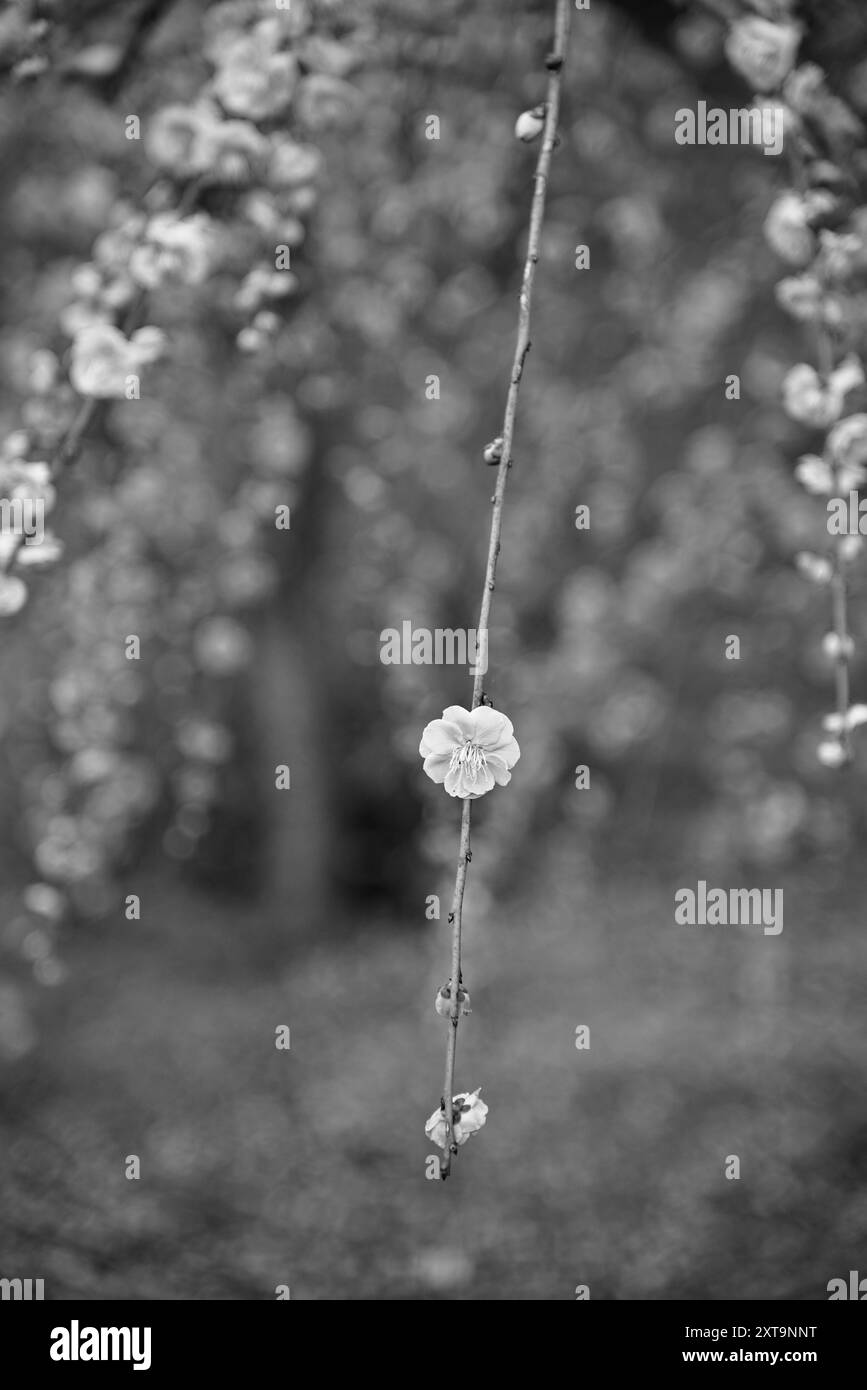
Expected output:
{"points": [[603, 1167]]}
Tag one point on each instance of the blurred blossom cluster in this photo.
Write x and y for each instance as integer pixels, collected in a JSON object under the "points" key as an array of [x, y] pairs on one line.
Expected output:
{"points": [[819, 229], [291, 129], [174, 541]]}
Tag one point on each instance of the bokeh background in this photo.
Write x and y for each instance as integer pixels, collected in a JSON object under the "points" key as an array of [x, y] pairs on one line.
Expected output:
{"points": [[307, 907]]}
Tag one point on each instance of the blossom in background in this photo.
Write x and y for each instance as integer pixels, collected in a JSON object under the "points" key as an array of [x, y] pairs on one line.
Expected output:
{"points": [[805, 299], [175, 248], [842, 253], [182, 139], [469, 751], [817, 476], [787, 229], [468, 1116], [805, 88], [263, 283], [811, 401], [763, 51], [832, 751], [291, 165], [103, 358], [20, 480], [254, 78], [847, 445], [239, 152], [13, 592]]}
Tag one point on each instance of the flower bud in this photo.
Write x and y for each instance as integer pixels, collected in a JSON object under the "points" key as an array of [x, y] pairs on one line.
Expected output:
{"points": [[814, 567], [494, 451], [831, 753], [468, 1116], [443, 1002], [530, 124], [834, 646]]}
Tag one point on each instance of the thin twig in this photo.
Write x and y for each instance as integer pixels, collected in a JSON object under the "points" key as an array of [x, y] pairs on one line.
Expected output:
{"points": [[537, 213]]}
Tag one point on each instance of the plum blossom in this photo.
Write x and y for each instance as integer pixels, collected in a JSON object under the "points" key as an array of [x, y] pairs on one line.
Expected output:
{"points": [[804, 88], [804, 298], [182, 139], [13, 594], [811, 401], [788, 231], [763, 51], [842, 253], [292, 165], [443, 1001], [818, 478], [263, 283], [470, 752], [468, 1115], [103, 358], [253, 78], [239, 152], [847, 444], [175, 248], [27, 482]]}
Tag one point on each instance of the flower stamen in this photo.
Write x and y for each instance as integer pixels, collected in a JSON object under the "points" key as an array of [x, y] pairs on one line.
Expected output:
{"points": [[471, 758]]}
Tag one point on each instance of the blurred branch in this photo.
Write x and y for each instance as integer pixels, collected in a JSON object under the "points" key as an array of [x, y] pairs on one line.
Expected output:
{"points": [[802, 156], [148, 17], [825, 363], [92, 410], [555, 63]]}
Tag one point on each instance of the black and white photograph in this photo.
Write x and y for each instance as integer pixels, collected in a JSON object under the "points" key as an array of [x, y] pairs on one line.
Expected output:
{"points": [[433, 669]]}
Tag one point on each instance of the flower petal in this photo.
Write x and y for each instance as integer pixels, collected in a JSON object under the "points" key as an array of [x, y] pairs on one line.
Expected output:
{"points": [[459, 783], [456, 714], [509, 752], [436, 765], [498, 769], [438, 737], [491, 728]]}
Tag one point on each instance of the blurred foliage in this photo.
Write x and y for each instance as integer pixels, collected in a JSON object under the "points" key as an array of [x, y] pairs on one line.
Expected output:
{"points": [[607, 645]]}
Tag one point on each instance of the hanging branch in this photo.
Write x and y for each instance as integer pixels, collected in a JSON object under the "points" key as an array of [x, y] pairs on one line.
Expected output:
{"points": [[763, 50], [554, 63], [826, 361]]}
